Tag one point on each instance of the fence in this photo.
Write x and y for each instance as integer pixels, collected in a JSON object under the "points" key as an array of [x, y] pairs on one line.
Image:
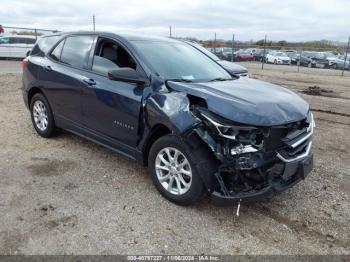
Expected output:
{"points": [[335, 57], [26, 31]]}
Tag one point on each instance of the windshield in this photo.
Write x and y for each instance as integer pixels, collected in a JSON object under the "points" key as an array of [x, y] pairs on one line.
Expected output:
{"points": [[173, 60]]}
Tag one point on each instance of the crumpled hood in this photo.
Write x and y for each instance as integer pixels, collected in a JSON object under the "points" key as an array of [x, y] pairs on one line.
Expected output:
{"points": [[248, 101], [232, 67]]}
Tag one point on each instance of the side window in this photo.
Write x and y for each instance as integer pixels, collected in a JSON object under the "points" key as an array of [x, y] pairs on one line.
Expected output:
{"points": [[43, 45], [56, 53], [30, 41], [76, 50], [4, 40], [14, 40], [110, 55], [22, 40]]}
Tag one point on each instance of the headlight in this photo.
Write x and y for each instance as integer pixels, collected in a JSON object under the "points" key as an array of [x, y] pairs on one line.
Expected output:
{"points": [[223, 130], [310, 128], [244, 139]]}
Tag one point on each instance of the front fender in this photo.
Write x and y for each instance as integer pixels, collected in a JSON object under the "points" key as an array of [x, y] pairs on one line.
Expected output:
{"points": [[172, 110]]}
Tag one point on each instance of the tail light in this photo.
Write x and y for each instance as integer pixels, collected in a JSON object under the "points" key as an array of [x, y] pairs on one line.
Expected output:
{"points": [[24, 63]]}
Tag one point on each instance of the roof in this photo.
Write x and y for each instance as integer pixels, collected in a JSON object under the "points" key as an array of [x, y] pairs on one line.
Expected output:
{"points": [[129, 37]]}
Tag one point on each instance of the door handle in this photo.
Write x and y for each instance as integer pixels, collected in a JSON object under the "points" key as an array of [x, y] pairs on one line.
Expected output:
{"points": [[48, 68], [90, 82]]}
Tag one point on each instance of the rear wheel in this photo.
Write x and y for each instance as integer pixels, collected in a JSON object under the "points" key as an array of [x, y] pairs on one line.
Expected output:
{"points": [[335, 66], [41, 115], [173, 167]]}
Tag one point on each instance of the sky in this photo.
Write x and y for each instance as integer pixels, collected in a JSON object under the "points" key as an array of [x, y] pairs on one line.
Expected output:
{"points": [[291, 20]]}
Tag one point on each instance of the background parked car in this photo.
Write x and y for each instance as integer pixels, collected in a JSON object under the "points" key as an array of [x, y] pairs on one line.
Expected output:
{"points": [[294, 57], [16, 46], [278, 57], [337, 62], [313, 59], [243, 55], [232, 68], [258, 55]]}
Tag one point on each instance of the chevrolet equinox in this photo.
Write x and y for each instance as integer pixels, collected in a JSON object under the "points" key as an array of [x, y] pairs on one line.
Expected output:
{"points": [[167, 105]]}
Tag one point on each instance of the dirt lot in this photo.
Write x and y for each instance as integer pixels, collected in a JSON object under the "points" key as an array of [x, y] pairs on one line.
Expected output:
{"points": [[67, 195]]}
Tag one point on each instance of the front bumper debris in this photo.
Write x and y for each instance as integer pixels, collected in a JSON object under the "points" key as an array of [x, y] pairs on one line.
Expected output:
{"points": [[293, 173]]}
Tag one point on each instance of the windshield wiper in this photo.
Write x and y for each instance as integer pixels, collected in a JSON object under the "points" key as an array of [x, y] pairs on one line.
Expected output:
{"points": [[219, 79], [179, 80]]}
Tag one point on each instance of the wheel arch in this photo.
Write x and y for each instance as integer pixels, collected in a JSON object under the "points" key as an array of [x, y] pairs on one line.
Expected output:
{"points": [[32, 91], [156, 132]]}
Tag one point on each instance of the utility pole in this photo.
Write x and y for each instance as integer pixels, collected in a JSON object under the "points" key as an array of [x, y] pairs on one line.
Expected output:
{"points": [[346, 57], [299, 58], [93, 22], [263, 58], [232, 45], [170, 33], [215, 42]]}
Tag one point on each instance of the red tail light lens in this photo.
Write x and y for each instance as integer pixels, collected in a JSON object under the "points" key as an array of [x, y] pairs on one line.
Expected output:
{"points": [[24, 63]]}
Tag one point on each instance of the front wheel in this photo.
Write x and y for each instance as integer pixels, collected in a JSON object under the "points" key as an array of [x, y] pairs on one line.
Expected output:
{"points": [[173, 167]]}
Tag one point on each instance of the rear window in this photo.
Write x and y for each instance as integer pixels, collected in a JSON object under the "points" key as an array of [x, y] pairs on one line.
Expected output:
{"points": [[44, 45], [76, 50]]}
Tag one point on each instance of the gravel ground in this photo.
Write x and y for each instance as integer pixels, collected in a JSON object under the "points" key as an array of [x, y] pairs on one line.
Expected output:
{"points": [[69, 196]]}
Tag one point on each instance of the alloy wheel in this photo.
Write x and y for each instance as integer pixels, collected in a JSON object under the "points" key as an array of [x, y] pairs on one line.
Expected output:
{"points": [[173, 171], [40, 115]]}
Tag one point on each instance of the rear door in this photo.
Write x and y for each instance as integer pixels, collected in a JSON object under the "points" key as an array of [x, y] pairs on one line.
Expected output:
{"points": [[63, 72]]}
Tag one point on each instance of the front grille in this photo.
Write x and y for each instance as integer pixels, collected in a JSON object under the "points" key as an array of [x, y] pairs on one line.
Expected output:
{"points": [[274, 140], [292, 139]]}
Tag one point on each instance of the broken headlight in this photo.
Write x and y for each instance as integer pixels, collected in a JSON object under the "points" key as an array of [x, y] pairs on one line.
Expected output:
{"points": [[242, 139]]}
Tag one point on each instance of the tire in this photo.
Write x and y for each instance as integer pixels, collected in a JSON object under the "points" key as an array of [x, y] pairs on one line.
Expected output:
{"points": [[335, 66], [195, 187], [41, 115]]}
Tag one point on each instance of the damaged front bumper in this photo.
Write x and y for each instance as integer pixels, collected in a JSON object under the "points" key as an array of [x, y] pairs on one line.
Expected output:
{"points": [[254, 164], [293, 172]]}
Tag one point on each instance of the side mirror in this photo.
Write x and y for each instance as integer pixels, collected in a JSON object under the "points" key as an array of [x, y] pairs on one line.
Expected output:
{"points": [[126, 74]]}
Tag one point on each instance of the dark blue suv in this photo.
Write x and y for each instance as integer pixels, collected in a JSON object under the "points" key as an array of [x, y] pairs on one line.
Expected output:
{"points": [[167, 105]]}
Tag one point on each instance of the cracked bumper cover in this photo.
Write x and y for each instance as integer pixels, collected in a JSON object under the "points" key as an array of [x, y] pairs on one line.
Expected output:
{"points": [[294, 172]]}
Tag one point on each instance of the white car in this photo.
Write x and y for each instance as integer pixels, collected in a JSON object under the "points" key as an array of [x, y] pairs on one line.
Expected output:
{"points": [[278, 57], [16, 46]]}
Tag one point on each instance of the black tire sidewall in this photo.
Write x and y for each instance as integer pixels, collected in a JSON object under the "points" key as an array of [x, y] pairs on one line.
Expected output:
{"points": [[196, 191], [48, 132]]}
